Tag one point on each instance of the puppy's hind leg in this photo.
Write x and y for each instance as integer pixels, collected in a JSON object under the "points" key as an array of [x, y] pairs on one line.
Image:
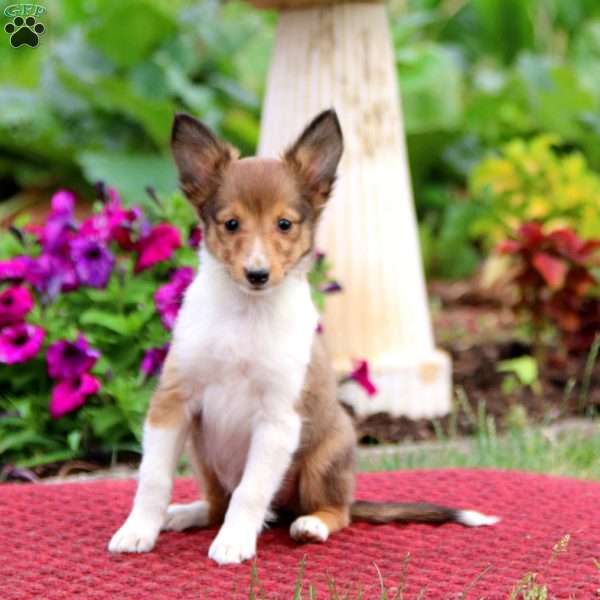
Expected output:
{"points": [[317, 526], [185, 516], [326, 485]]}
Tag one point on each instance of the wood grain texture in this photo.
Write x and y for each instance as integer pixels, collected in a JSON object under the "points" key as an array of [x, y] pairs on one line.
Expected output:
{"points": [[342, 56]]}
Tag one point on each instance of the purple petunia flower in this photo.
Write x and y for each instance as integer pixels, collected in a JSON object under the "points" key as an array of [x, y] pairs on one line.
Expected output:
{"points": [[153, 360], [360, 375], [52, 273], [68, 360], [158, 245], [15, 303], [20, 342], [70, 394], [47, 273], [168, 297], [93, 262], [60, 223]]}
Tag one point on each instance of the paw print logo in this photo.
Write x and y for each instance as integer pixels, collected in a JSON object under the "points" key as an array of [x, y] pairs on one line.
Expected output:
{"points": [[24, 31]]}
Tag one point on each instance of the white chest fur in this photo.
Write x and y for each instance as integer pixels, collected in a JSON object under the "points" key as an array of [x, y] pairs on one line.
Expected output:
{"points": [[245, 358]]}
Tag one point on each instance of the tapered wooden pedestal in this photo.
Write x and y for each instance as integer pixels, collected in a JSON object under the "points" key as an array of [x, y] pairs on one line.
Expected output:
{"points": [[341, 56]]}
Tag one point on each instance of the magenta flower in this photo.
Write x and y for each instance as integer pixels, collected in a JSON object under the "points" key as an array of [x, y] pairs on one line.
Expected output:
{"points": [[115, 223], [63, 202], [69, 394], [158, 245], [169, 296], [15, 269], [93, 262], [130, 229], [153, 360], [195, 237], [68, 360], [20, 342], [15, 303], [360, 375]]}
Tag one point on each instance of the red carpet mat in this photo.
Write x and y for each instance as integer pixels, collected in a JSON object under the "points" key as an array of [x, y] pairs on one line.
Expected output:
{"points": [[53, 544]]}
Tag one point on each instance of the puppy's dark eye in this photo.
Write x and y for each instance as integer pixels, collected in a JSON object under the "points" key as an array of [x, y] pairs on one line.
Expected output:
{"points": [[284, 225], [232, 225]]}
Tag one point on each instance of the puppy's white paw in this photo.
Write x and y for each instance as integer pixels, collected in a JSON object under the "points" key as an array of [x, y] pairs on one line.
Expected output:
{"points": [[309, 529], [136, 535], [184, 516], [232, 546]]}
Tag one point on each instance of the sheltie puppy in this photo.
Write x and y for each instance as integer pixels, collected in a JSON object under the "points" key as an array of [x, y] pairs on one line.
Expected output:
{"points": [[247, 382]]}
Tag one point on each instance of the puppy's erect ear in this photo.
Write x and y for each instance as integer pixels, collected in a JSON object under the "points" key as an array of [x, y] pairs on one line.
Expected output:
{"points": [[315, 157], [200, 158]]}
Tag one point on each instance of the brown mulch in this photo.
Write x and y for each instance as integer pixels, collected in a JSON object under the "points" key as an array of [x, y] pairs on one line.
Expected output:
{"points": [[479, 331]]}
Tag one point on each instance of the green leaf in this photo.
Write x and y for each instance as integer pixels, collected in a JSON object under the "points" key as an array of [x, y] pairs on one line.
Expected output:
{"points": [[116, 95], [23, 439], [74, 440], [555, 96], [128, 31], [506, 27], [126, 325], [117, 323], [431, 86], [47, 458], [130, 173], [586, 56], [104, 419], [524, 367]]}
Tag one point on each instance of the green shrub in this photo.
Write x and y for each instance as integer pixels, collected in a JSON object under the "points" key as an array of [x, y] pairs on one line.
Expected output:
{"points": [[96, 99], [532, 180]]}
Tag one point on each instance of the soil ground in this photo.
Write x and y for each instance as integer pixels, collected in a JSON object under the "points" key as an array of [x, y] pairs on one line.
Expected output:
{"points": [[479, 332]]}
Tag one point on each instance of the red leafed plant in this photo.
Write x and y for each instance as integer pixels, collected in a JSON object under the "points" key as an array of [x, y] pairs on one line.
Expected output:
{"points": [[557, 283]]}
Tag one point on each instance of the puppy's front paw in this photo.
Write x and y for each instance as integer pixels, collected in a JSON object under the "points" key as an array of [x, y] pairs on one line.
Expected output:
{"points": [[232, 546], [136, 535]]}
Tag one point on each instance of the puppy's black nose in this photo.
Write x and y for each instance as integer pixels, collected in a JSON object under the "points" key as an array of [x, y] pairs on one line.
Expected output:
{"points": [[257, 278]]}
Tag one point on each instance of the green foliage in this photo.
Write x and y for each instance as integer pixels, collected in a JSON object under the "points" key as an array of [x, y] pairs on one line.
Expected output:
{"points": [[532, 180], [474, 76], [521, 371], [445, 233], [96, 99]]}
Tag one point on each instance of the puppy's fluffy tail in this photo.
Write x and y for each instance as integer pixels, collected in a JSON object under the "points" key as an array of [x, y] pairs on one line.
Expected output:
{"points": [[387, 512]]}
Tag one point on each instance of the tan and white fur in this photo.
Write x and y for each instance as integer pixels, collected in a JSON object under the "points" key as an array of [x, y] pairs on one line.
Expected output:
{"points": [[247, 382]]}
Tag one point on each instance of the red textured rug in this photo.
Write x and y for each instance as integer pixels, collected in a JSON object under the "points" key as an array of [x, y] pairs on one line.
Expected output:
{"points": [[53, 544]]}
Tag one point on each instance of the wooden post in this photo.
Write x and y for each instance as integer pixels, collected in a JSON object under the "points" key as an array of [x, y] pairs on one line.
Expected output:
{"points": [[341, 55]]}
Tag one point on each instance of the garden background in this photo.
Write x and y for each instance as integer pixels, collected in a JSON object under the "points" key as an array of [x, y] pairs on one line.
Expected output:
{"points": [[501, 104]]}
